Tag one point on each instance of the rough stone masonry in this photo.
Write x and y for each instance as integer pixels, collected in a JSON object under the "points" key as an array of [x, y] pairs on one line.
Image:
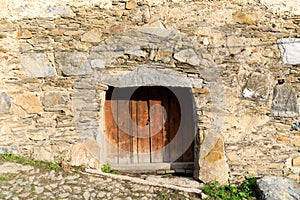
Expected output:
{"points": [[240, 59]]}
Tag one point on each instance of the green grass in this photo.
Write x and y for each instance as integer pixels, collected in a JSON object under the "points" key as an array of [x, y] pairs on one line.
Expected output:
{"points": [[9, 157], [168, 175], [32, 189], [3, 178], [162, 196], [79, 168], [247, 190], [7, 177], [106, 168]]}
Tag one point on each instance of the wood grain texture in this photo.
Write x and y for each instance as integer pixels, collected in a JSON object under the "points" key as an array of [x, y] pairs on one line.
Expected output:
{"points": [[124, 131], [142, 122], [111, 133], [156, 125]]}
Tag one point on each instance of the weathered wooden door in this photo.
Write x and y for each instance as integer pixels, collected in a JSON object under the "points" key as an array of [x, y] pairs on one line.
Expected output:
{"points": [[149, 126]]}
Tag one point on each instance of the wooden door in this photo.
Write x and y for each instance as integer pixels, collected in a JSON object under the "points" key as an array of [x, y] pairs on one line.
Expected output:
{"points": [[149, 126]]}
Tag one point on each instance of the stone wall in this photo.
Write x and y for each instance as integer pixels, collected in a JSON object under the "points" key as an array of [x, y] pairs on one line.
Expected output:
{"points": [[58, 58]]}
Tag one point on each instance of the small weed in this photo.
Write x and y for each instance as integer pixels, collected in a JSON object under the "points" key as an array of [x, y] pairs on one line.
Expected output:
{"points": [[106, 168], [227, 192], [7, 177], [32, 189], [162, 196], [115, 172], [54, 166], [168, 175], [250, 187], [12, 157], [3, 178], [79, 168]]}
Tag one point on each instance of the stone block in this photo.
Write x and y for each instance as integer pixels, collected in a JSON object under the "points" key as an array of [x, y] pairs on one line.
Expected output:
{"points": [[145, 76], [97, 63], [278, 188], [213, 166], [170, 171], [29, 102], [257, 86], [137, 52], [161, 172], [234, 44], [14, 168], [54, 98], [93, 36], [87, 153], [116, 29], [60, 10], [56, 32], [156, 29], [285, 101], [42, 154], [24, 34], [9, 149], [216, 153], [197, 83], [233, 157], [37, 65], [290, 50], [282, 139], [296, 161], [130, 5], [242, 18], [296, 142], [164, 55], [72, 64], [5, 103], [282, 6], [38, 137], [187, 56]]}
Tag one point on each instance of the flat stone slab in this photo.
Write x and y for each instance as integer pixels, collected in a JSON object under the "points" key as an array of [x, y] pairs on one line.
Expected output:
{"points": [[285, 101], [5, 103], [73, 63], [37, 65], [185, 182], [149, 182], [278, 188], [290, 50], [145, 77], [13, 168]]}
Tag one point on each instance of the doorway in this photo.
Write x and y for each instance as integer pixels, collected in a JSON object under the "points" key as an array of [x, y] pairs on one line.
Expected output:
{"points": [[148, 125]]}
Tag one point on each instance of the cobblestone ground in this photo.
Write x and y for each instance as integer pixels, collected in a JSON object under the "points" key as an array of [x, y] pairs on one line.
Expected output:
{"points": [[26, 182]]}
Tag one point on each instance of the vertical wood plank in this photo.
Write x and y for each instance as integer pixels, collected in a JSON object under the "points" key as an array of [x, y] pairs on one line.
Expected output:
{"points": [[166, 126], [142, 121], [124, 131], [134, 140], [111, 131], [156, 124], [175, 120]]}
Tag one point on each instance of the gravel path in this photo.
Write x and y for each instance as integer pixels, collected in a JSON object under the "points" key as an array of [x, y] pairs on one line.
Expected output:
{"points": [[25, 182]]}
